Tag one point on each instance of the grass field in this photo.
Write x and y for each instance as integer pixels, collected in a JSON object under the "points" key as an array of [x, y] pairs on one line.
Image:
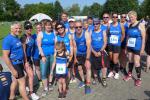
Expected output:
{"points": [[4, 30]]}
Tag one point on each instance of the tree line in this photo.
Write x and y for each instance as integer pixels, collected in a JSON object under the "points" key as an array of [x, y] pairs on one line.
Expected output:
{"points": [[10, 10]]}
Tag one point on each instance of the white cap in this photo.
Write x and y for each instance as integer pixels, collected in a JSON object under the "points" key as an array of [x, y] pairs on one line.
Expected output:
{"points": [[71, 19]]}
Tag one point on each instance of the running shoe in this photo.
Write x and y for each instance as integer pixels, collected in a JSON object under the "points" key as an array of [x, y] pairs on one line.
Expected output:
{"points": [[127, 77], [116, 76], [44, 93], [60, 95], [110, 75], [138, 82], [104, 84], [94, 82], [81, 84], [87, 90], [50, 87], [34, 96]]}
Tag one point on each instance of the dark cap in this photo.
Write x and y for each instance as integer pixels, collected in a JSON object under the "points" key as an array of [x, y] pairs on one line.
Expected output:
{"points": [[27, 25]]}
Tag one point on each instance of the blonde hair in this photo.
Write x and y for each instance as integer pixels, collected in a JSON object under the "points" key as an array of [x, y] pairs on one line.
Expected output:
{"points": [[132, 13], [60, 46], [13, 24]]}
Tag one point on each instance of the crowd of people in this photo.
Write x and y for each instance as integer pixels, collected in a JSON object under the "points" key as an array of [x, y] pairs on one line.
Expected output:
{"points": [[62, 51]]}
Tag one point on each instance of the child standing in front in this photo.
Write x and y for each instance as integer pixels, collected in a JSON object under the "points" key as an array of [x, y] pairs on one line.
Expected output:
{"points": [[60, 62]]}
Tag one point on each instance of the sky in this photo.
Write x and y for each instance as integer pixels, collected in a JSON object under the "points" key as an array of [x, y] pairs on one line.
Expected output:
{"points": [[64, 3]]}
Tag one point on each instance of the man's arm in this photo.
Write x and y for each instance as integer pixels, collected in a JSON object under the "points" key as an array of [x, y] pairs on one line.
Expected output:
{"points": [[88, 44], [143, 33]]}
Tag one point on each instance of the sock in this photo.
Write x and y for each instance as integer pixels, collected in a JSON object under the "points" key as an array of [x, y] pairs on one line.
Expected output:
{"points": [[116, 67], [131, 67], [138, 71], [111, 65], [125, 72]]}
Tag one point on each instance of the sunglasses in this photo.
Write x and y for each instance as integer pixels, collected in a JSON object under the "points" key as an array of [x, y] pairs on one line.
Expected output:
{"points": [[29, 27], [105, 17], [123, 16], [78, 27], [96, 23], [115, 16], [59, 28]]}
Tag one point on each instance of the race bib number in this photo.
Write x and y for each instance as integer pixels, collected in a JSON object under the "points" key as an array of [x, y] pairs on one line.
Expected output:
{"points": [[60, 68], [114, 39], [131, 42]]}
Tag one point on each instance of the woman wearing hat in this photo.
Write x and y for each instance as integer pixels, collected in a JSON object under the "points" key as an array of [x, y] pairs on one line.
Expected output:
{"points": [[28, 43]]}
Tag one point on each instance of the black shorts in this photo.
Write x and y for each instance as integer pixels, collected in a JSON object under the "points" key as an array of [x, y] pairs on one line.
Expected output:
{"points": [[147, 47], [30, 60], [36, 62], [100, 62], [20, 70], [81, 60], [137, 52], [114, 49]]}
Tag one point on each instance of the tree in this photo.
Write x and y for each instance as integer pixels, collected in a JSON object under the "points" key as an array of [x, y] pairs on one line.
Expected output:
{"points": [[145, 7], [96, 10], [85, 11], [74, 10], [120, 6], [58, 9]]}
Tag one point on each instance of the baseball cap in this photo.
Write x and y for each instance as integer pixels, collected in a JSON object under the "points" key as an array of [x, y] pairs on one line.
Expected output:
{"points": [[27, 25], [71, 19]]}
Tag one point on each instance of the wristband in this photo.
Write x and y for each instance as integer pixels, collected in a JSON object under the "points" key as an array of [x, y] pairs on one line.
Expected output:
{"points": [[87, 59]]}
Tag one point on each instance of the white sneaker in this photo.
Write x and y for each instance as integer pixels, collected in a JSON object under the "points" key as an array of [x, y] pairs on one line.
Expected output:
{"points": [[27, 89], [110, 75], [116, 76], [34, 96]]}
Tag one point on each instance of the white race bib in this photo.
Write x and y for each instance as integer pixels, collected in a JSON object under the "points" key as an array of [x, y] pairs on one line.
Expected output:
{"points": [[114, 39], [131, 42], [60, 68]]}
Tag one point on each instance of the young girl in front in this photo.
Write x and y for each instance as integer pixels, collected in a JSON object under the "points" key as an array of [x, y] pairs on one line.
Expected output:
{"points": [[61, 70]]}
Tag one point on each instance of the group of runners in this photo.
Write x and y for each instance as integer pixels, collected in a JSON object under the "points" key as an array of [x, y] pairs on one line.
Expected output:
{"points": [[60, 51]]}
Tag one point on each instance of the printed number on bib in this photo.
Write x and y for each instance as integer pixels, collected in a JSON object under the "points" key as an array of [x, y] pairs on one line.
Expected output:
{"points": [[60, 68], [114, 39], [131, 42]]}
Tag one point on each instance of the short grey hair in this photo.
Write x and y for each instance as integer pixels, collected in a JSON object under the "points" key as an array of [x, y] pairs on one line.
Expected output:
{"points": [[14, 23]]}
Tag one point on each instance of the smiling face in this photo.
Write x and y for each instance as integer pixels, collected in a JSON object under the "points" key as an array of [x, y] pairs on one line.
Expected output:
{"points": [[48, 27], [64, 17], [115, 18], [132, 16], [123, 18], [16, 29], [60, 29], [78, 27], [38, 28], [106, 18]]}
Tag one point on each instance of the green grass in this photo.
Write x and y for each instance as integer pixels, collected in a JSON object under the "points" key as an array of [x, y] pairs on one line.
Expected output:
{"points": [[4, 30]]}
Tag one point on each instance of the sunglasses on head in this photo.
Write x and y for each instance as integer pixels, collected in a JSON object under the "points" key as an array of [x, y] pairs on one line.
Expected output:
{"points": [[78, 27], [105, 17], [59, 28]]}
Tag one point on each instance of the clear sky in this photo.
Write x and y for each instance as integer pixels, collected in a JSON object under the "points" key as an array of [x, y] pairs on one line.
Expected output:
{"points": [[64, 3]]}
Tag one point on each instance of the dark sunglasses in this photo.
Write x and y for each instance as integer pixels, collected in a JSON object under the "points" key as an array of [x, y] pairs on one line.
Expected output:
{"points": [[105, 17], [115, 16], [123, 16], [96, 23], [59, 28], [78, 27], [29, 27]]}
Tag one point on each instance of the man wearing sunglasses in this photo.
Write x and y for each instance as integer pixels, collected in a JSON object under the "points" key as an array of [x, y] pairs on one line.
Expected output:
{"points": [[115, 37], [82, 50], [106, 19], [98, 55]]}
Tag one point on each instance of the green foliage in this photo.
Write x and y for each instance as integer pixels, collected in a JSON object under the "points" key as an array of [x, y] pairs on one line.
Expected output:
{"points": [[74, 10], [146, 7]]}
